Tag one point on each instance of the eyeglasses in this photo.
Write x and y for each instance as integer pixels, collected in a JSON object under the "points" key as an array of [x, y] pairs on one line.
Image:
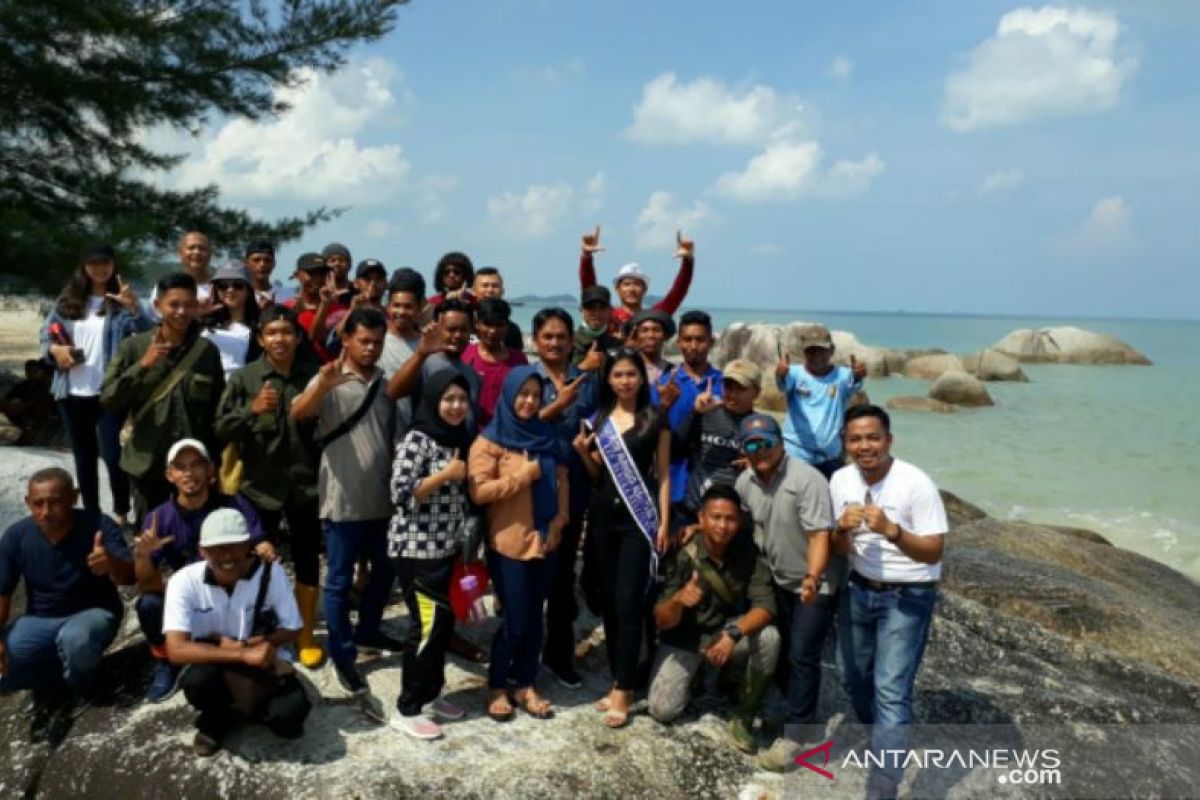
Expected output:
{"points": [[454, 271], [223, 286], [757, 445]]}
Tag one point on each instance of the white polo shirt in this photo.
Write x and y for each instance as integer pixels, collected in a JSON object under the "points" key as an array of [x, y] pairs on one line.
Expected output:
{"points": [[910, 499], [197, 605]]}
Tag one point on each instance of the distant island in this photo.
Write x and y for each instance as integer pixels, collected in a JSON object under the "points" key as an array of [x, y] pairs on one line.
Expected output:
{"points": [[567, 300]]}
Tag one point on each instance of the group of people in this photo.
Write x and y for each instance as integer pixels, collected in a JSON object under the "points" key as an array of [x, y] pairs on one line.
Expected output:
{"points": [[409, 440]]}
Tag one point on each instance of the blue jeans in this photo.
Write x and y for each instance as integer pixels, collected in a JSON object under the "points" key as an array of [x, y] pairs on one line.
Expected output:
{"points": [[521, 587], [344, 542], [804, 628], [881, 639], [44, 650]]}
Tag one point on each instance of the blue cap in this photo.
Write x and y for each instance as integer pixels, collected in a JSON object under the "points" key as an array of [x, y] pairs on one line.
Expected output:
{"points": [[762, 427]]}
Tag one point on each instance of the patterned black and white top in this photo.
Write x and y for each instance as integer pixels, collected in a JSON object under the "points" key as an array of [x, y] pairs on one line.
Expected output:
{"points": [[434, 528]]}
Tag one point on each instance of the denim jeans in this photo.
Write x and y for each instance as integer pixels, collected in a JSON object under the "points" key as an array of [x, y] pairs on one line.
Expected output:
{"points": [[150, 607], [804, 628], [43, 650], [344, 543], [881, 639], [521, 587], [95, 434]]}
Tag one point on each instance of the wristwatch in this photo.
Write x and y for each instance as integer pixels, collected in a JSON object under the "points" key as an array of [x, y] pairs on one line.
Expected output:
{"points": [[734, 632]]}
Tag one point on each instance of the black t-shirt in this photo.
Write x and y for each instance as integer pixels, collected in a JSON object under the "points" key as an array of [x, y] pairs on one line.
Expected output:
{"points": [[709, 442], [58, 582], [642, 441]]}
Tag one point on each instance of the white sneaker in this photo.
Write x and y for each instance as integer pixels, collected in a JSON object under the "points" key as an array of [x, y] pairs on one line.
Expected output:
{"points": [[418, 727], [444, 709]]}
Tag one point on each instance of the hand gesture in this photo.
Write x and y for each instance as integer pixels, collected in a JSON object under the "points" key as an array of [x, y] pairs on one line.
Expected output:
{"points": [[668, 392], [687, 533], [531, 469], [148, 542], [783, 364], [125, 297], [684, 248], [719, 652], [583, 441], [266, 401], [331, 376], [593, 359], [808, 590], [570, 391], [98, 561], [157, 352], [62, 355], [740, 463], [328, 290], [591, 242], [858, 368], [706, 401], [456, 469], [692, 592], [851, 518], [878, 521], [260, 655], [359, 299], [265, 552], [433, 339]]}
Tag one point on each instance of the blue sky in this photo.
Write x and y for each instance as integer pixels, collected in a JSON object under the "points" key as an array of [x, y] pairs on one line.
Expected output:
{"points": [[936, 156]]}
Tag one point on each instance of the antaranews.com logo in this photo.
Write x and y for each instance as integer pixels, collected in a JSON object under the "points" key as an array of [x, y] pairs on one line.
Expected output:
{"points": [[1016, 767]]}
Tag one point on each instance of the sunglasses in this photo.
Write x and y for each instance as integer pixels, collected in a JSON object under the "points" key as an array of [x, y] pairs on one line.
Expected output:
{"points": [[758, 445], [223, 286]]}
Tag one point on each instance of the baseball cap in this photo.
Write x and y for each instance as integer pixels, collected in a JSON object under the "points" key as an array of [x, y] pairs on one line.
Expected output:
{"points": [[369, 265], [261, 246], [98, 252], [184, 444], [595, 294], [654, 315], [224, 526], [336, 249], [815, 336], [632, 270], [744, 372], [762, 427], [234, 270], [311, 262]]}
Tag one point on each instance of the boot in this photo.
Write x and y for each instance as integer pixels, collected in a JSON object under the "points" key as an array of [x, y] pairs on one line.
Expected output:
{"points": [[311, 654], [741, 727]]}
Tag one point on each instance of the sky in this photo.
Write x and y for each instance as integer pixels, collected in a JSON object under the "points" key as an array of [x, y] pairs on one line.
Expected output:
{"points": [[935, 156]]}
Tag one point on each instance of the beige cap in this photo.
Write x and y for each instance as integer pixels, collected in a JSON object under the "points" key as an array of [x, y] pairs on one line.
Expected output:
{"points": [[743, 371], [224, 526], [815, 336]]}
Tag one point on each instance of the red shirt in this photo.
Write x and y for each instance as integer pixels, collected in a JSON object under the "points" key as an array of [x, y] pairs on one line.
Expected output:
{"points": [[307, 315], [620, 315], [491, 378]]}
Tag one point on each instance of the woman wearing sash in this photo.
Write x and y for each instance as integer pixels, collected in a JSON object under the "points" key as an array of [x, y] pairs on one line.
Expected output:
{"points": [[518, 469], [628, 453]]}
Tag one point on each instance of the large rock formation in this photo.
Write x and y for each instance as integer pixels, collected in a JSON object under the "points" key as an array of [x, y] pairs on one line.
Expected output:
{"points": [[931, 367], [913, 403], [992, 365], [1068, 345], [761, 343], [960, 389]]}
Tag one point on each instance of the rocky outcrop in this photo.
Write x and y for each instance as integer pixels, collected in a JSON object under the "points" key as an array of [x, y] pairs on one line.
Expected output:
{"points": [[992, 365], [914, 403], [931, 367], [960, 389], [761, 343], [1068, 345]]}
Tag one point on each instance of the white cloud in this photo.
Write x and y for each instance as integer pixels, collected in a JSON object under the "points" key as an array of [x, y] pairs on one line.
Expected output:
{"points": [[766, 250], [593, 193], [1108, 231], [313, 151], [789, 170], [534, 213], [661, 217], [381, 229], [840, 68], [430, 200], [1046, 62], [1004, 180], [706, 110]]}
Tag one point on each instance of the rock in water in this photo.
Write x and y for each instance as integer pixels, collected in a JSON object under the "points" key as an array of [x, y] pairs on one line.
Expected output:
{"points": [[760, 342], [914, 403], [931, 367], [1068, 345], [992, 365], [960, 389]]}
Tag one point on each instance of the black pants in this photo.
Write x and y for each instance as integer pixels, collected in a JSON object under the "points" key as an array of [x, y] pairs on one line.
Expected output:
{"points": [[426, 585], [623, 579], [284, 711], [803, 630], [561, 605], [304, 537], [150, 617], [95, 434], [149, 492]]}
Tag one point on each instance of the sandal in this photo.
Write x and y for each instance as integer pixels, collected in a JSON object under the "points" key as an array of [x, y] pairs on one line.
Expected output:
{"points": [[533, 704], [603, 704], [614, 719], [498, 712]]}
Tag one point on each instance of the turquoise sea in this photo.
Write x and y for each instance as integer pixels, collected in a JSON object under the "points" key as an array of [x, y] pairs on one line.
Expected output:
{"points": [[1113, 449]]}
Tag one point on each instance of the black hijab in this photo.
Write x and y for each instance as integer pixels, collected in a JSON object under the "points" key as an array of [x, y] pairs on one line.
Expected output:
{"points": [[430, 423]]}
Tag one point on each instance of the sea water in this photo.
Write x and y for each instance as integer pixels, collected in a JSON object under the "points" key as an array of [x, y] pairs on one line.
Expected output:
{"points": [[1115, 449]]}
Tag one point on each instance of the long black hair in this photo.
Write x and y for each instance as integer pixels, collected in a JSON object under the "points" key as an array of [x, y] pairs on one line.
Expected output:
{"points": [[73, 302], [457, 259], [222, 317], [645, 412]]}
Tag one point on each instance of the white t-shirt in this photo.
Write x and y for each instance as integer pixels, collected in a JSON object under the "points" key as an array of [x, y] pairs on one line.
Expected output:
{"points": [[88, 335], [910, 499], [205, 610], [233, 342]]}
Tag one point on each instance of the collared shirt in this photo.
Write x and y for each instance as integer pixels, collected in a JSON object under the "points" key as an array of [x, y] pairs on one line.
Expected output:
{"points": [[58, 581], [352, 482], [397, 350], [197, 605], [183, 525], [816, 406], [794, 504], [279, 455], [431, 528], [743, 570]]}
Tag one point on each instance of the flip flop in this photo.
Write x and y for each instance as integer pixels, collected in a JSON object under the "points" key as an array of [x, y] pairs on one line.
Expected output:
{"points": [[535, 705], [499, 716], [614, 719], [602, 704]]}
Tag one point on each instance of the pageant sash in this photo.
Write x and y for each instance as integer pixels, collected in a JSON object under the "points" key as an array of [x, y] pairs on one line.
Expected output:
{"points": [[630, 485]]}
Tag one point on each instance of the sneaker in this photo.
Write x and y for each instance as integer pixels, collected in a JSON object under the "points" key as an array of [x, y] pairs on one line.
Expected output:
{"points": [[380, 643], [418, 727], [164, 682], [565, 675], [781, 757], [445, 709], [371, 707], [741, 735], [349, 679], [204, 745]]}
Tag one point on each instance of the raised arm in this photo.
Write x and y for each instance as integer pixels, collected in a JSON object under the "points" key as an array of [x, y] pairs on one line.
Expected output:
{"points": [[587, 269], [686, 249]]}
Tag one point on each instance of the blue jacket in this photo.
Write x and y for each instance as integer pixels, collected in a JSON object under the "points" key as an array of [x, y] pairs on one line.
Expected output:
{"points": [[118, 325]]}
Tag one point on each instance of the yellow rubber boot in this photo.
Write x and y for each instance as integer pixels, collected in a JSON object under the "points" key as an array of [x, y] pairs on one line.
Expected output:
{"points": [[311, 655]]}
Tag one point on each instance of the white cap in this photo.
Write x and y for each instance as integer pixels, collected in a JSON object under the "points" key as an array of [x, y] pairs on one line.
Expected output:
{"points": [[183, 444], [224, 526], [632, 270]]}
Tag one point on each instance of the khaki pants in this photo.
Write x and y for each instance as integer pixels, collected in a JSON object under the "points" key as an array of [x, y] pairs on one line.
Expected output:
{"points": [[675, 669]]}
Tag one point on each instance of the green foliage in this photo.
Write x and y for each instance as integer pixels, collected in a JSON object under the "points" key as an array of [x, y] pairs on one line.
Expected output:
{"points": [[81, 83]]}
